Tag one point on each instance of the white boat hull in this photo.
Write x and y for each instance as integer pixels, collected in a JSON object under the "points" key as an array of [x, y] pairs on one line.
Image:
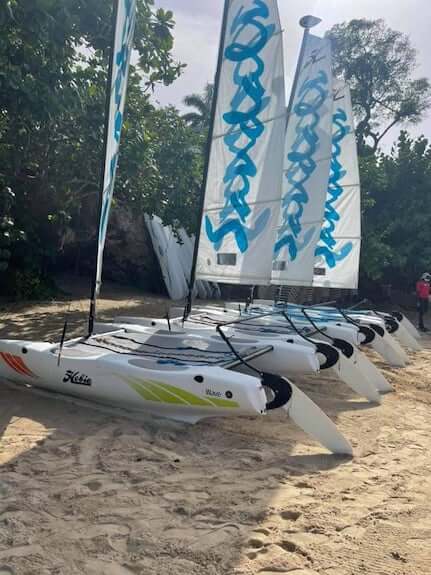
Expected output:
{"points": [[385, 345], [188, 393], [288, 357], [410, 328], [407, 339], [345, 370], [112, 379]]}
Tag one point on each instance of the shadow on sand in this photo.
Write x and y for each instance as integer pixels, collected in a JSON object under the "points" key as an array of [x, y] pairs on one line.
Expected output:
{"points": [[86, 491]]}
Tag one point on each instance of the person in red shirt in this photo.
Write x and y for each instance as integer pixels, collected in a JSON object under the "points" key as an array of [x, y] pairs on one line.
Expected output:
{"points": [[423, 294]]}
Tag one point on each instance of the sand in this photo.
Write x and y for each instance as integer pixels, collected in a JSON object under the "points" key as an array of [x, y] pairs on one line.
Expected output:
{"points": [[83, 491]]}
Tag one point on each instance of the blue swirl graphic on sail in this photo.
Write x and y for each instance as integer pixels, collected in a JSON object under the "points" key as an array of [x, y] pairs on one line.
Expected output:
{"points": [[312, 95], [245, 128], [327, 244], [120, 68]]}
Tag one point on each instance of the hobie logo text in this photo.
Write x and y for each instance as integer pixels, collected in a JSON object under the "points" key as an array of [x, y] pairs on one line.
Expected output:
{"points": [[76, 377], [247, 36]]}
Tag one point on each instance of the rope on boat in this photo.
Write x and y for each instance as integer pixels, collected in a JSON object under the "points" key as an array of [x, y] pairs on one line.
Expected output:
{"points": [[198, 356], [172, 359]]}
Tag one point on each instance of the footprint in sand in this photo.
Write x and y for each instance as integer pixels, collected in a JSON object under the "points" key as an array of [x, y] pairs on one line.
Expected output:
{"points": [[258, 545], [94, 485], [290, 515], [289, 546], [303, 485], [279, 557], [263, 531]]}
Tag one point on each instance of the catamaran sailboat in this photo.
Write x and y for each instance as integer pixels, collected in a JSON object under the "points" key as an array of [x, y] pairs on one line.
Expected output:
{"points": [[229, 249], [337, 324], [144, 372]]}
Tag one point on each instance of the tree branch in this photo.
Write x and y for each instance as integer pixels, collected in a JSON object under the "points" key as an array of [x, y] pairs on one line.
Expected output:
{"points": [[385, 131]]}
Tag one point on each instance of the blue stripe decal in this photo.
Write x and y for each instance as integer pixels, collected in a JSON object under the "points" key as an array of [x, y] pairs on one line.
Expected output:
{"points": [[327, 245], [243, 126]]}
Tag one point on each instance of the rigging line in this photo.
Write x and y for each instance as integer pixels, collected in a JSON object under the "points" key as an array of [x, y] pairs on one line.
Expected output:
{"points": [[245, 321], [315, 326], [298, 331], [257, 328], [63, 334], [243, 361], [187, 361], [186, 348], [152, 345]]}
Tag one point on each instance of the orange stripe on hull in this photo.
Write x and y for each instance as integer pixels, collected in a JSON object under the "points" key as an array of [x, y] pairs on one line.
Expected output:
{"points": [[17, 364], [21, 363]]}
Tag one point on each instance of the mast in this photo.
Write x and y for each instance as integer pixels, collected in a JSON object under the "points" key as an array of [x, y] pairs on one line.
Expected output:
{"points": [[188, 307], [306, 22], [123, 26], [95, 287]]}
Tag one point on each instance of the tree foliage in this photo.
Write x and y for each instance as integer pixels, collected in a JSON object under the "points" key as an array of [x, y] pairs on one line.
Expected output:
{"points": [[200, 117], [378, 63], [397, 212], [53, 66], [53, 63]]}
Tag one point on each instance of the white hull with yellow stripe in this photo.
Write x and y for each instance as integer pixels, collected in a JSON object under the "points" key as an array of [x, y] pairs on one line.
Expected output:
{"points": [[89, 370]]}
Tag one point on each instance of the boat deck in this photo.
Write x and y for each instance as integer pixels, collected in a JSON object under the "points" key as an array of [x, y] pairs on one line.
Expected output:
{"points": [[184, 351]]}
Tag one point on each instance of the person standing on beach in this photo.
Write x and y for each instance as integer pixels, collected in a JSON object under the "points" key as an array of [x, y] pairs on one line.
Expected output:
{"points": [[423, 293]]}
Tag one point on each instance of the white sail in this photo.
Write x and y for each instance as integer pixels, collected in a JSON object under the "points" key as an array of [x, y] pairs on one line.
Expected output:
{"points": [[242, 194], [124, 30], [338, 251], [167, 251], [174, 254], [306, 166]]}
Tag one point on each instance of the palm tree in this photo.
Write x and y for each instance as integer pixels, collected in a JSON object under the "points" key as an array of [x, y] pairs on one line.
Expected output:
{"points": [[199, 119]]}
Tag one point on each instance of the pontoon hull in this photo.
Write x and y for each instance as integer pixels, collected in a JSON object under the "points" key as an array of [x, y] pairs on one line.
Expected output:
{"points": [[345, 369], [287, 358], [185, 394]]}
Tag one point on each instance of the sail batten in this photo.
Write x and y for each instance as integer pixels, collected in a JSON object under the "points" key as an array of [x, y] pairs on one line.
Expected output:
{"points": [[243, 185], [267, 121], [338, 250]]}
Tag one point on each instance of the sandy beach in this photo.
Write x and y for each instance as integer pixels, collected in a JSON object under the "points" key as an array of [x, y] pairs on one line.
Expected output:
{"points": [[87, 491]]}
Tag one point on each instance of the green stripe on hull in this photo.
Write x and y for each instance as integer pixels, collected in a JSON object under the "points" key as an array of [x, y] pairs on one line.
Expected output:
{"points": [[165, 395], [143, 392], [224, 402], [188, 397], [159, 392], [150, 391]]}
